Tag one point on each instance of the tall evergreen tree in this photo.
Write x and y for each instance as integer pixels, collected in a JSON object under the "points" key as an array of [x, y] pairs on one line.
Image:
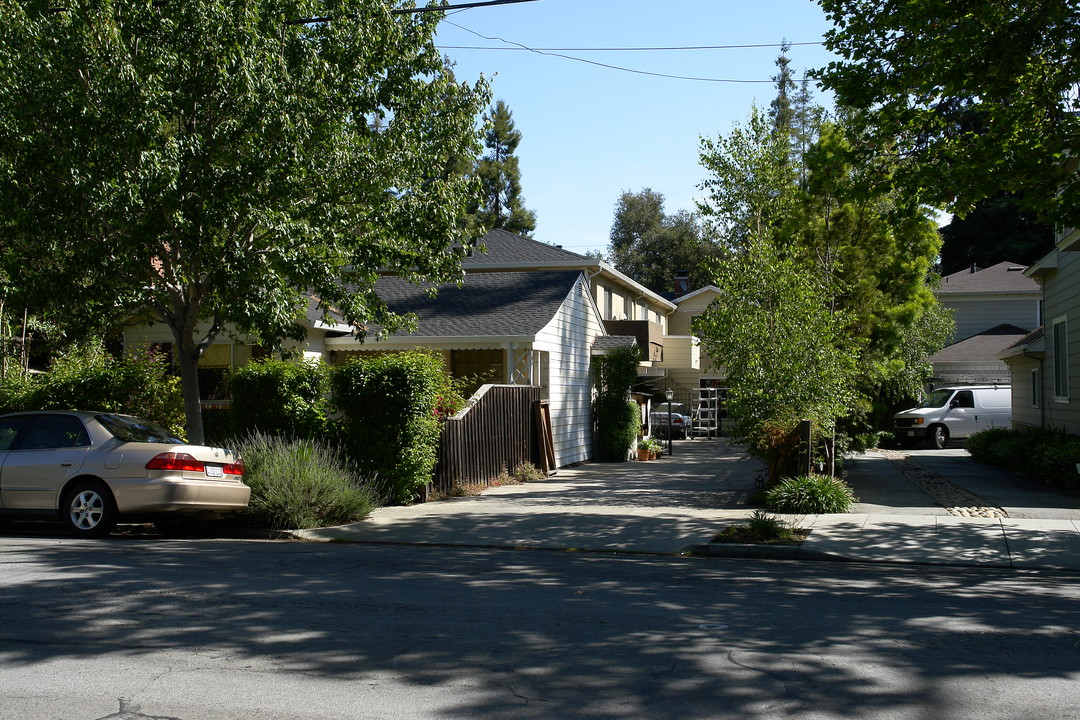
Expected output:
{"points": [[503, 206]]}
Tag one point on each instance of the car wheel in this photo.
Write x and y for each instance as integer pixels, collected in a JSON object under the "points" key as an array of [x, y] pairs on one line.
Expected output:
{"points": [[89, 509], [939, 437]]}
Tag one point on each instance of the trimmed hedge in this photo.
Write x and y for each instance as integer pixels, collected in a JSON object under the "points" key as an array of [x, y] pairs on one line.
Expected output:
{"points": [[279, 397], [389, 425], [1045, 454]]}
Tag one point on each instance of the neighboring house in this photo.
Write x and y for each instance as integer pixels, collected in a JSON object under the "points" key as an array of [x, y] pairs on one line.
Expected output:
{"points": [[516, 328], [1045, 365], [525, 313], [993, 308]]}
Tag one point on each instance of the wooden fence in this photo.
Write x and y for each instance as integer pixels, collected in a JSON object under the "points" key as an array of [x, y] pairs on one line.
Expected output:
{"points": [[506, 425]]}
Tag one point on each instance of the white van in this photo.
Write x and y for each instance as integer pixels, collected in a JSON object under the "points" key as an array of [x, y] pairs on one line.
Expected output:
{"points": [[955, 412]]}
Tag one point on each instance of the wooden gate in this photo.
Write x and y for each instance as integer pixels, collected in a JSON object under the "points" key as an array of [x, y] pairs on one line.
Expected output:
{"points": [[500, 430]]}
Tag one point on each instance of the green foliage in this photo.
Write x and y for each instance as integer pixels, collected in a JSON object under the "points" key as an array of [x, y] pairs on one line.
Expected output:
{"points": [[1045, 454], [651, 246], [651, 444], [618, 420], [389, 425], [88, 378], [777, 443], [500, 177], [526, 472], [206, 163], [763, 528], [774, 330], [957, 102], [996, 230], [280, 397], [302, 483], [618, 423], [810, 495]]}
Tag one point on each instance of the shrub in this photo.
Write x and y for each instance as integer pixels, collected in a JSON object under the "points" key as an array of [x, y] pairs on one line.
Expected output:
{"points": [[618, 420], [1046, 454], [618, 423], [279, 397], [777, 443], [89, 378], [389, 425], [810, 495], [302, 483], [527, 472]]}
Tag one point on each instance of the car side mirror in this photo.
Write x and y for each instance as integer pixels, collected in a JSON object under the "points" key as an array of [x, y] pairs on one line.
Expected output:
{"points": [[954, 404]]}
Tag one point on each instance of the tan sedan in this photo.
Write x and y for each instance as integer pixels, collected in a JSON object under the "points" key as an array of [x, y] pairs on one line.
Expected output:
{"points": [[91, 468]]}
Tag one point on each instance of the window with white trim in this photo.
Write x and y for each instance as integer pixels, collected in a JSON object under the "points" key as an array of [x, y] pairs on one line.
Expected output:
{"points": [[1060, 340]]}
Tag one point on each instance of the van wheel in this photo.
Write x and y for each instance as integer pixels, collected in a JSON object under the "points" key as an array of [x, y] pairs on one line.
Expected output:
{"points": [[939, 437]]}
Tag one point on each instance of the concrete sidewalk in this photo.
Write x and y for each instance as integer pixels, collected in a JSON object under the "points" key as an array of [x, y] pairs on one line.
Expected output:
{"points": [[682, 501]]}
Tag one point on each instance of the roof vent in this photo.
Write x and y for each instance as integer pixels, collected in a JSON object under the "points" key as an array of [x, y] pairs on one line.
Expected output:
{"points": [[1017, 268]]}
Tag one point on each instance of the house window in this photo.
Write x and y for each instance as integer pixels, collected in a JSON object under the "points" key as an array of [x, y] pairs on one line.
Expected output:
{"points": [[1061, 359], [609, 303], [1036, 388]]}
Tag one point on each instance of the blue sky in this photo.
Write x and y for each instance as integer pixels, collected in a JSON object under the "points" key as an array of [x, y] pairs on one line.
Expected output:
{"points": [[590, 132]]}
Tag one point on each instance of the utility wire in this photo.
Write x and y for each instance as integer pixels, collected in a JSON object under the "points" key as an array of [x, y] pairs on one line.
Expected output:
{"points": [[606, 65], [624, 49]]}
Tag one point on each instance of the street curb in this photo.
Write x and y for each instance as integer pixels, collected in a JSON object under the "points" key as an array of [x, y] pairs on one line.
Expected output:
{"points": [[767, 552]]}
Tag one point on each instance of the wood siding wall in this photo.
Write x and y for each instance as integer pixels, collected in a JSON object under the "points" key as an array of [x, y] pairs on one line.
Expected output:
{"points": [[568, 339], [978, 314], [495, 434], [1061, 293]]}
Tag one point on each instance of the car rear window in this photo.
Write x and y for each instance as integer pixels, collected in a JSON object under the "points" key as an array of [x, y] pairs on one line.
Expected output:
{"points": [[133, 429]]}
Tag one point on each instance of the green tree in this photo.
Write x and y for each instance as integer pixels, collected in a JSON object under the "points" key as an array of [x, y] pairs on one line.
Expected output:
{"points": [[649, 245], [503, 206], [750, 184], [961, 101], [997, 230], [215, 165]]}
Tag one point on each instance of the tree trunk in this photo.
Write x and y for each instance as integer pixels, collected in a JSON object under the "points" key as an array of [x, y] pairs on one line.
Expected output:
{"points": [[187, 355]]}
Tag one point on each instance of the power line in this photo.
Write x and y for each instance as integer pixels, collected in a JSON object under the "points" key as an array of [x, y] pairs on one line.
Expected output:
{"points": [[622, 49], [608, 66]]}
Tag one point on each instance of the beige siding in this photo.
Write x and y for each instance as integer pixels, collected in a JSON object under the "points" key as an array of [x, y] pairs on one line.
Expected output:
{"points": [[568, 339], [1027, 408], [1061, 292]]}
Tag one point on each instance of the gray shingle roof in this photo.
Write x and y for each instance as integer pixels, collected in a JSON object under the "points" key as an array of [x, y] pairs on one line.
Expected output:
{"points": [[602, 344], [486, 305], [983, 347], [505, 247], [1005, 277]]}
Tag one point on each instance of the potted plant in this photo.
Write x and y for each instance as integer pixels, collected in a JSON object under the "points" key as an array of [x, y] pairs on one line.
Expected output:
{"points": [[649, 449]]}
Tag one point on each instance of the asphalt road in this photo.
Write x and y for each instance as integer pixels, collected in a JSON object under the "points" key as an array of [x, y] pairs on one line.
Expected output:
{"points": [[136, 628]]}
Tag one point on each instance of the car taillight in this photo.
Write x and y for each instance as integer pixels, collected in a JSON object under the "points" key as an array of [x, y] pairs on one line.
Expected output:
{"points": [[183, 462], [236, 468]]}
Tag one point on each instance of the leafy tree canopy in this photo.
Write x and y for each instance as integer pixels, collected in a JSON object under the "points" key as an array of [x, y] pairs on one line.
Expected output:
{"points": [[210, 162], [962, 100], [996, 230], [651, 246]]}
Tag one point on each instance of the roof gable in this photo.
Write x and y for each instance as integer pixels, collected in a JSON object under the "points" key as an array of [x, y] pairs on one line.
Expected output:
{"points": [[504, 248], [1005, 277], [507, 304], [982, 347]]}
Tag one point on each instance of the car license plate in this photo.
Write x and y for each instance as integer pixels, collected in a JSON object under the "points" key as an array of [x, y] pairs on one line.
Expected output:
{"points": [[214, 471]]}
